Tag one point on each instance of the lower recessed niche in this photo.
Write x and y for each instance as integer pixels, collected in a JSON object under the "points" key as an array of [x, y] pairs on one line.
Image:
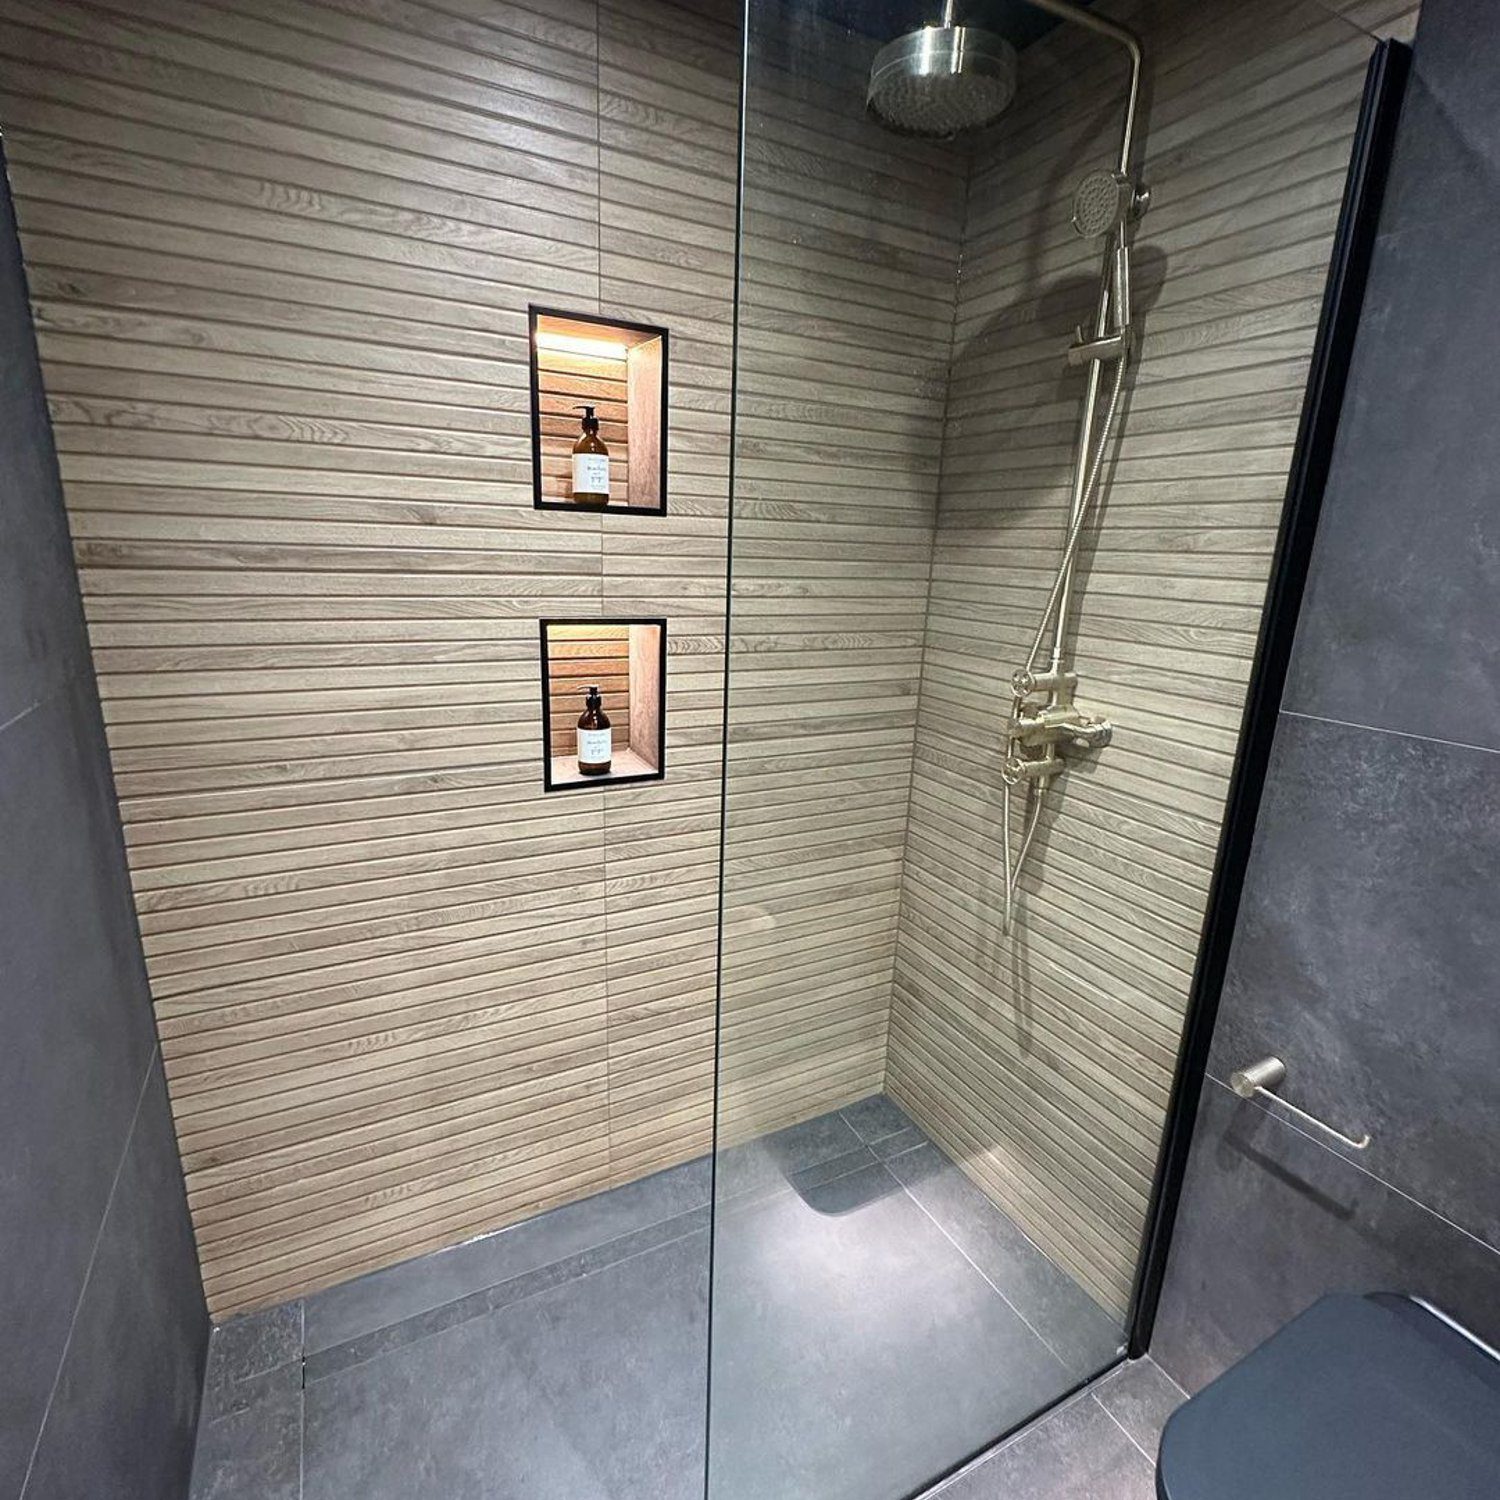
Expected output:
{"points": [[627, 660]]}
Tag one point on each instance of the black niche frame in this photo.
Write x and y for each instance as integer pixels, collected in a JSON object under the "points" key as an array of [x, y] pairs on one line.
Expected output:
{"points": [[600, 783]]}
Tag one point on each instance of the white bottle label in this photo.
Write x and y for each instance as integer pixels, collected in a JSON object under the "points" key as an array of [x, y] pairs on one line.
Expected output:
{"points": [[595, 746], [591, 474]]}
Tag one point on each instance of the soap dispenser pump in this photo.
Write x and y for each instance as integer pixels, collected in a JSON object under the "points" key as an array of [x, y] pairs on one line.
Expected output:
{"points": [[590, 465]]}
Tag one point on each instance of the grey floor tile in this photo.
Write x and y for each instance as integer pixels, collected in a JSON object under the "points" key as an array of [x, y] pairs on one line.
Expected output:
{"points": [[856, 1351], [1084, 1335], [439, 1320], [246, 1348], [593, 1390], [1076, 1453], [254, 1452], [768, 1161], [907, 1139], [359, 1307], [1140, 1396], [860, 1351], [876, 1117]]}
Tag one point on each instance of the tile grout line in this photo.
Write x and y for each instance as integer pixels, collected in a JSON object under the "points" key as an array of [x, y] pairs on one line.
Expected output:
{"points": [[1400, 734], [88, 1273], [921, 1207], [1364, 1171], [302, 1399], [1129, 1436], [491, 1285], [504, 1307]]}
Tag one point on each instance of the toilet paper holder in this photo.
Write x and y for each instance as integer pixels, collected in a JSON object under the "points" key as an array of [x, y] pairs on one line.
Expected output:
{"points": [[1265, 1077]]}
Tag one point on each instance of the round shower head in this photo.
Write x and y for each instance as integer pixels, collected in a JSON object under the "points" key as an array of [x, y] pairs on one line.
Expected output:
{"points": [[1102, 203], [941, 79]]}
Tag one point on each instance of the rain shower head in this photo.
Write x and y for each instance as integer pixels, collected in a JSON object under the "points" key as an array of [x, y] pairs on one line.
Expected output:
{"points": [[941, 79]]}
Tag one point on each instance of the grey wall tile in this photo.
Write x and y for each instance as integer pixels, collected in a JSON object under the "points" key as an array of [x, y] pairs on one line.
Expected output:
{"points": [[1270, 1221], [1367, 945], [78, 1039], [42, 638], [123, 1417], [115, 1349], [1398, 624], [1367, 954]]}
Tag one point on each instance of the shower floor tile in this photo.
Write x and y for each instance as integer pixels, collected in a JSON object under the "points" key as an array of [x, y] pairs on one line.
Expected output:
{"points": [[876, 1318]]}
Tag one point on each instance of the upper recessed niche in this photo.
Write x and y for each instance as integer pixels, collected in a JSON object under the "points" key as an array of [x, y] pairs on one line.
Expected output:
{"points": [[618, 368]]}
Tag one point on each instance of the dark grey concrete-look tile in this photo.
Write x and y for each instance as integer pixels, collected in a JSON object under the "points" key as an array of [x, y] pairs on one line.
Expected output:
{"points": [[1367, 951], [1140, 1396], [856, 1351], [1397, 628], [877, 1117], [439, 1320], [42, 640], [1083, 1335], [253, 1449], [247, 1348], [1074, 1453], [78, 1040], [593, 1390], [123, 1417], [356, 1308], [1270, 1220], [768, 1161]]}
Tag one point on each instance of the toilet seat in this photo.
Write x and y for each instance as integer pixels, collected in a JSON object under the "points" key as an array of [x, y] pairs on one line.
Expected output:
{"points": [[1359, 1398]]}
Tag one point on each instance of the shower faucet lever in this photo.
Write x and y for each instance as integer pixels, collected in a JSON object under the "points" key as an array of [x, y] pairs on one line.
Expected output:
{"points": [[1263, 1078]]}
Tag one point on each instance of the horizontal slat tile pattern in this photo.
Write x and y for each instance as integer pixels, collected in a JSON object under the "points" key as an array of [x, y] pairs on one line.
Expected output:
{"points": [[1044, 1062], [281, 256], [846, 305]]}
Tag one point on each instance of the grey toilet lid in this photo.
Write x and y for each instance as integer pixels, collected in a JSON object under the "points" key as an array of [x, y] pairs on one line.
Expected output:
{"points": [[1359, 1398]]}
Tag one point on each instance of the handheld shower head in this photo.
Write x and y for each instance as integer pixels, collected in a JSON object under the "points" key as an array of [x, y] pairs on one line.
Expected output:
{"points": [[941, 79], [1103, 201]]}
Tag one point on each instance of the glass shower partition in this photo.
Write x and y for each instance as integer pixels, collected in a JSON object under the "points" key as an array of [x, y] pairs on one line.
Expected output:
{"points": [[936, 1137]]}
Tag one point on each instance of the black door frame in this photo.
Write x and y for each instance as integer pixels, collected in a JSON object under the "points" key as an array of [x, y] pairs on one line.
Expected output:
{"points": [[1343, 298]]}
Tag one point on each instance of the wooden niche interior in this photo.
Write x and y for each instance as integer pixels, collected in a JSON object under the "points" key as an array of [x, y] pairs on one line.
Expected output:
{"points": [[627, 660], [621, 370]]}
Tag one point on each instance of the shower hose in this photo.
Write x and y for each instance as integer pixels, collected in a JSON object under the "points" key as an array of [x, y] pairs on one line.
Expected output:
{"points": [[1038, 790]]}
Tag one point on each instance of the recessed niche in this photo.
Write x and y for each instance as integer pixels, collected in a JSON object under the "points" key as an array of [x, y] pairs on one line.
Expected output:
{"points": [[627, 659], [620, 369]]}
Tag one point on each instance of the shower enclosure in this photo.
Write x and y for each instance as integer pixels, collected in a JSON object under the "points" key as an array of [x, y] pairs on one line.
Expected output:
{"points": [[776, 1117], [1021, 350]]}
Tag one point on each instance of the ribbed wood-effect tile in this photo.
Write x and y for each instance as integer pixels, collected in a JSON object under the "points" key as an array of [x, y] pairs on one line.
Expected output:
{"points": [[1044, 1061]]}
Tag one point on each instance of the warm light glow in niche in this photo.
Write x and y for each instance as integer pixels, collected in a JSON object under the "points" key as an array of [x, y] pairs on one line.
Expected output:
{"points": [[567, 343]]}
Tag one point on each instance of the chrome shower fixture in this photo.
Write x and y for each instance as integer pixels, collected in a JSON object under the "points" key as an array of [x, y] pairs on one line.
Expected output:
{"points": [[1046, 725], [943, 79], [1104, 201]]}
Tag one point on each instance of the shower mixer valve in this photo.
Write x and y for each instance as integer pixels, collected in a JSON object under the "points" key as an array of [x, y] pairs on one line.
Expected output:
{"points": [[1047, 728]]}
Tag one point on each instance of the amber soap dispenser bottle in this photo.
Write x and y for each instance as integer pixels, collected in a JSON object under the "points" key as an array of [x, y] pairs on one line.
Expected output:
{"points": [[590, 465], [595, 740]]}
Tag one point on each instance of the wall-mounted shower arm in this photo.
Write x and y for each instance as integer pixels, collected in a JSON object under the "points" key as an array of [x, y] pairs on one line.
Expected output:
{"points": [[1116, 33]]}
